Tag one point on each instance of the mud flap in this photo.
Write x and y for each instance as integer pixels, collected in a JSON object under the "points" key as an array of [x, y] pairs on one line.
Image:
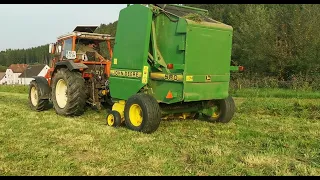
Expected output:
{"points": [[43, 87]]}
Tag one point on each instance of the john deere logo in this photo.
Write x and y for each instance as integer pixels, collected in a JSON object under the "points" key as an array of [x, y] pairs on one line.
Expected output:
{"points": [[132, 74], [208, 78]]}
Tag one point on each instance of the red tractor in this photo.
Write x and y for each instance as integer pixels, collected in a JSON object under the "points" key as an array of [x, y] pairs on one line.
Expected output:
{"points": [[74, 79]]}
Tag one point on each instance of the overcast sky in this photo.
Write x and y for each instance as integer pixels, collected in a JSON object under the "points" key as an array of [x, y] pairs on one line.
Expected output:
{"points": [[32, 25]]}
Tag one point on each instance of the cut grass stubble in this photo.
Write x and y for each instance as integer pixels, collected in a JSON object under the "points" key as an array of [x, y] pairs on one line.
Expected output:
{"points": [[267, 136]]}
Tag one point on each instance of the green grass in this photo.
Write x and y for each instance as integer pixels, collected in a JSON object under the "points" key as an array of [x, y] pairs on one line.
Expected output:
{"points": [[275, 92], [14, 88], [267, 136]]}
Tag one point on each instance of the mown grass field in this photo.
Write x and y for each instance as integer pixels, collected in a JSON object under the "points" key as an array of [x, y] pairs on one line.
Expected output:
{"points": [[273, 133]]}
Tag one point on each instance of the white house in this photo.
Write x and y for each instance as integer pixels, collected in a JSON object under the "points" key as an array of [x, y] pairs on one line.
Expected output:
{"points": [[13, 72], [33, 70], [2, 78]]}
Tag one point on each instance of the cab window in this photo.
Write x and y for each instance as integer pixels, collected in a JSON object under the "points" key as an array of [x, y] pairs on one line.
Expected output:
{"points": [[67, 46]]}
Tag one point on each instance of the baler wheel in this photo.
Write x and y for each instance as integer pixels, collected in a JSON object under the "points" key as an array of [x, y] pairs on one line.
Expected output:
{"points": [[114, 119], [225, 111], [142, 113], [35, 102], [68, 92]]}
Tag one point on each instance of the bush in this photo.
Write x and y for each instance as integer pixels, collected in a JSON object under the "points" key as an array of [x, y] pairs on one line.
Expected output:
{"points": [[296, 82]]}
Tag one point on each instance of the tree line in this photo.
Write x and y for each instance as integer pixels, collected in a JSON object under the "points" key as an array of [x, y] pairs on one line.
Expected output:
{"points": [[278, 40], [34, 55]]}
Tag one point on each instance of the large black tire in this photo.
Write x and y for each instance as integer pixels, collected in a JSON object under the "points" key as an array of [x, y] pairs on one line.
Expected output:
{"points": [[35, 102], [225, 112], [114, 119], [148, 109], [74, 101]]}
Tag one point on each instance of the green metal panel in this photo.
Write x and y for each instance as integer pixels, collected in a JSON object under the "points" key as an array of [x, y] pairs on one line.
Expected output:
{"points": [[130, 50], [160, 89], [205, 91], [207, 61], [200, 50], [170, 38]]}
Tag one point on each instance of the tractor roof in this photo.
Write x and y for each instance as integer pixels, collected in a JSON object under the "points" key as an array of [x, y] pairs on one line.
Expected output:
{"points": [[86, 32], [86, 35], [88, 29]]}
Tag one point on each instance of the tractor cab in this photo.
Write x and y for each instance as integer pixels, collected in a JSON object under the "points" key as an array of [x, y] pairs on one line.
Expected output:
{"points": [[66, 47]]}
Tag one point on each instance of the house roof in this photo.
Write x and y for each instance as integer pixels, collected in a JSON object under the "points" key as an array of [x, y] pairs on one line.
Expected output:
{"points": [[32, 70], [2, 74], [18, 68]]}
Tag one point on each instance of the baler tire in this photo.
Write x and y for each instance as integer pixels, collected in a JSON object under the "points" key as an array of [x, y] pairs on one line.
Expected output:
{"points": [[149, 111], [35, 102], [226, 108], [114, 119], [75, 92]]}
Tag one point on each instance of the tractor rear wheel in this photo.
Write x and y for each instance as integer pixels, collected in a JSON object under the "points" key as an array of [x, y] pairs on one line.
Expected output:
{"points": [[114, 119], [35, 102], [224, 112], [142, 113], [68, 92]]}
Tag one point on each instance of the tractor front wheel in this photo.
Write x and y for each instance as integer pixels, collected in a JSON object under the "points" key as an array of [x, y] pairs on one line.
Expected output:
{"points": [[35, 102], [68, 92], [142, 113], [114, 119], [224, 111]]}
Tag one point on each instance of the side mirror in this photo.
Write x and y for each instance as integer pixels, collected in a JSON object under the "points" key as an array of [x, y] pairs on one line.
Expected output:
{"points": [[51, 48], [59, 49]]}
